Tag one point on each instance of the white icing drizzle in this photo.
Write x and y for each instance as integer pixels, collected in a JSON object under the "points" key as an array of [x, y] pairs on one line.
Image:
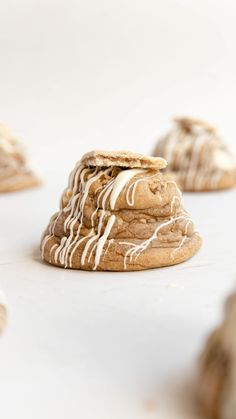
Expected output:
{"points": [[67, 245], [121, 180], [103, 191], [137, 249], [170, 146], [175, 198], [132, 189], [103, 195], [172, 182], [185, 237], [198, 144], [112, 189], [86, 248], [102, 240], [51, 251], [198, 156], [51, 230], [91, 252], [75, 197], [179, 247]]}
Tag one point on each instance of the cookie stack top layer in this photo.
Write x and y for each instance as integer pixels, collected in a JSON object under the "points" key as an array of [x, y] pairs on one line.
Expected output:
{"points": [[115, 212], [197, 156], [122, 159], [14, 173]]}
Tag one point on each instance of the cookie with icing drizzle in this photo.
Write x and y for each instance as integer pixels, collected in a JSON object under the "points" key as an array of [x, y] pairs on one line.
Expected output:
{"points": [[217, 378], [118, 214], [14, 173], [196, 156]]}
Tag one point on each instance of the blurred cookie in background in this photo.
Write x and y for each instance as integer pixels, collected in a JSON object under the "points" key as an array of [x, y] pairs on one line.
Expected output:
{"points": [[197, 157], [14, 172], [217, 381]]}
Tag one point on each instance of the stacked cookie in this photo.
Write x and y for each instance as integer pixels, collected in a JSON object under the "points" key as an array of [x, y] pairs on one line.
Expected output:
{"points": [[197, 157], [119, 213], [14, 173], [218, 368]]}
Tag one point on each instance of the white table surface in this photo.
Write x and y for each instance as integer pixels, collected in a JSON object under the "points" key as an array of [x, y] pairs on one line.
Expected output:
{"points": [[105, 345]]}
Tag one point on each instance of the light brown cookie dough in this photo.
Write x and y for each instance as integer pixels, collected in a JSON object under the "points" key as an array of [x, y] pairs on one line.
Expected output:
{"points": [[197, 157], [122, 159], [118, 218], [217, 381], [14, 173]]}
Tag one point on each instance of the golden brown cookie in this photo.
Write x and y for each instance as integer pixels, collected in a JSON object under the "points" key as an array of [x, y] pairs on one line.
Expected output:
{"points": [[122, 159], [117, 218], [197, 157], [14, 173], [217, 381]]}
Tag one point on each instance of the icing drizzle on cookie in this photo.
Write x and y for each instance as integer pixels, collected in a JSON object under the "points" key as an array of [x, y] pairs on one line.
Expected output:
{"points": [[94, 234], [121, 180], [85, 177], [196, 153]]}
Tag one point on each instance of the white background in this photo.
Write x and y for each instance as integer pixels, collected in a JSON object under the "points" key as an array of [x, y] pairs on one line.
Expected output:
{"points": [[78, 75]]}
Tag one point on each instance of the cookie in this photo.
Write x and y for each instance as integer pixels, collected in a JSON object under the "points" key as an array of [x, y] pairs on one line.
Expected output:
{"points": [[119, 214], [197, 157], [122, 159], [14, 173], [217, 380]]}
